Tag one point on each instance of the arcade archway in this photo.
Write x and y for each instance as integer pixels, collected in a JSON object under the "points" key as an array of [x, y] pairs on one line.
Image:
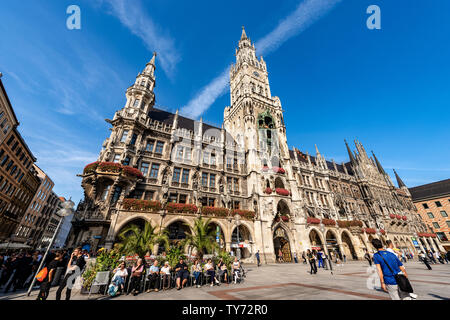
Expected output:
{"points": [[332, 244], [349, 249], [315, 240], [281, 245]]}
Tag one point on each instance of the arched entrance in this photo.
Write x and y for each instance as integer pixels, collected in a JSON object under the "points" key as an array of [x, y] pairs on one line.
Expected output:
{"points": [[176, 231], [347, 244], [332, 244], [240, 241], [220, 236], [315, 240], [281, 243]]}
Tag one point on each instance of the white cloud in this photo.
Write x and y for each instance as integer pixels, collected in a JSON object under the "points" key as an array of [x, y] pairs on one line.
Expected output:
{"points": [[131, 14], [306, 13]]}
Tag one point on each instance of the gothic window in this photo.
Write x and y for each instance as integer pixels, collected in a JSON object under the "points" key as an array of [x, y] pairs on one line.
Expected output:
{"points": [[126, 162], [159, 147], [213, 159], [176, 174], [212, 180], [185, 176], [144, 168], [105, 192], [136, 103], [204, 179], [149, 195], [124, 135], [116, 158], [116, 194], [205, 157], [155, 170], [179, 154], [133, 139], [236, 184]]}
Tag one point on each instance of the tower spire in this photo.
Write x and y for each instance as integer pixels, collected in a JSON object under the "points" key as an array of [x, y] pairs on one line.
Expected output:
{"points": [[380, 168], [244, 35], [350, 153], [400, 183]]}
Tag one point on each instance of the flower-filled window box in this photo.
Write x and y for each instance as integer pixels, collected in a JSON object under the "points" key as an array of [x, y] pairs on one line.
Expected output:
{"points": [[265, 169], [214, 211], [181, 207], [356, 223], [404, 218], [312, 220], [432, 235], [392, 216], [246, 214], [109, 167], [285, 218], [141, 205], [370, 231], [90, 168], [329, 222], [382, 231], [282, 192], [278, 170], [132, 172], [268, 191], [343, 223], [399, 217]]}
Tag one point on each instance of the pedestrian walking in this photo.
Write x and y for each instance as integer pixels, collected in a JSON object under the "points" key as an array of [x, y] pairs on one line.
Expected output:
{"points": [[280, 256], [47, 281], [320, 259], [388, 266], [295, 257], [257, 258], [304, 257], [424, 259], [368, 258], [76, 263], [312, 261]]}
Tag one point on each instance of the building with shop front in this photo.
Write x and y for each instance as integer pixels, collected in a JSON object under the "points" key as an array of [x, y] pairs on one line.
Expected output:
{"points": [[433, 204], [18, 178], [167, 169]]}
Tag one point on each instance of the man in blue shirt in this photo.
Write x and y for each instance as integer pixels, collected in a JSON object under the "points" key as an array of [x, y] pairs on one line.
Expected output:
{"points": [[387, 279], [153, 277]]}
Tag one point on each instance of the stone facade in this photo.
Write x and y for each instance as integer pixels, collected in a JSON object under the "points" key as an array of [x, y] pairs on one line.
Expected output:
{"points": [[278, 199], [18, 178]]}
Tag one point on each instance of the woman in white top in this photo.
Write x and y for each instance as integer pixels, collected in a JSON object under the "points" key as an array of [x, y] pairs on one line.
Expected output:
{"points": [[120, 275], [209, 267], [165, 272]]}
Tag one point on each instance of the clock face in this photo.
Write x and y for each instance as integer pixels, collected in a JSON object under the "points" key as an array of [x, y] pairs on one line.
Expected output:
{"points": [[256, 74]]}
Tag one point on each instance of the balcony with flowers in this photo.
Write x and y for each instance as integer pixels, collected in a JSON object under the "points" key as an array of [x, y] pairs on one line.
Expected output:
{"points": [[141, 205], [268, 191], [215, 211], [278, 170], [246, 214], [311, 220], [282, 192], [370, 230], [329, 222], [173, 207], [112, 168]]}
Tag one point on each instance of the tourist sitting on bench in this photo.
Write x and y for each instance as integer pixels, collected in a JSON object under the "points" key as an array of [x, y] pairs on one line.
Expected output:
{"points": [[182, 274], [153, 277], [222, 270], [210, 271], [236, 270]]}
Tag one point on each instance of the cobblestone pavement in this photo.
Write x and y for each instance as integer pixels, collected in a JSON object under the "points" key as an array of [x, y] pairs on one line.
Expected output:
{"points": [[293, 282]]}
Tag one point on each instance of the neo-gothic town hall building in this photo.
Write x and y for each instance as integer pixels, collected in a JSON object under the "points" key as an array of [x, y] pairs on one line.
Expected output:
{"points": [[167, 169]]}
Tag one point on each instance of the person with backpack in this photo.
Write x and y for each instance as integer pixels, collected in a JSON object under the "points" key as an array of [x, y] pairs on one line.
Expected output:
{"points": [[389, 267], [48, 274]]}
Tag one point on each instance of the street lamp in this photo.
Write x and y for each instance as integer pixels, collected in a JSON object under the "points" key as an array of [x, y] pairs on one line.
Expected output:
{"points": [[237, 221], [67, 210]]}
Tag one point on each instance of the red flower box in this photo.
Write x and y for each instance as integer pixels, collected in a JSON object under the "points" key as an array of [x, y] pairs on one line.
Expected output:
{"points": [[356, 223], [214, 211], [90, 168], [132, 172], [265, 169], [392, 216], [282, 192], [278, 170], [244, 213], [399, 217], [268, 191], [329, 222], [370, 231], [285, 218], [432, 235], [404, 218], [141, 205], [181, 207], [312, 220], [109, 167], [382, 231]]}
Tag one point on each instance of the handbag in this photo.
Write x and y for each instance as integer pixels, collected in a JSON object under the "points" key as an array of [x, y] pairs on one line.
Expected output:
{"points": [[42, 275], [402, 281]]}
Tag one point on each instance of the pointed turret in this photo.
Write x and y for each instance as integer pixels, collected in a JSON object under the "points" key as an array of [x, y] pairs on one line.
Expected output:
{"points": [[350, 153], [244, 35], [380, 168], [400, 183], [150, 67]]}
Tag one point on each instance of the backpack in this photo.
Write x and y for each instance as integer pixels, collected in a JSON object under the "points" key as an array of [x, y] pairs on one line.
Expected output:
{"points": [[42, 275]]}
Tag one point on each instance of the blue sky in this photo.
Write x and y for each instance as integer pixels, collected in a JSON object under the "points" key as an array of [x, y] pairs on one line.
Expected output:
{"points": [[336, 79]]}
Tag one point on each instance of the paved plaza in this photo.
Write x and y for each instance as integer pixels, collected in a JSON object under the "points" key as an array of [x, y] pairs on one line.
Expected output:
{"points": [[293, 282]]}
